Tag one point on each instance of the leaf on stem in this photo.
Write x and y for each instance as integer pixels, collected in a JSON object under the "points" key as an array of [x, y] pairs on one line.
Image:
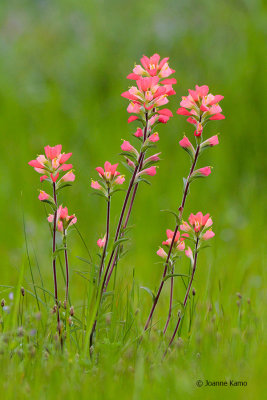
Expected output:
{"points": [[174, 214], [118, 242], [149, 291], [174, 275], [56, 253]]}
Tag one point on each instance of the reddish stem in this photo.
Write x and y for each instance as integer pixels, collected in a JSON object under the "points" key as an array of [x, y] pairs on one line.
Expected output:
{"points": [[181, 208], [54, 259], [186, 294], [170, 306], [67, 268], [138, 167], [107, 238]]}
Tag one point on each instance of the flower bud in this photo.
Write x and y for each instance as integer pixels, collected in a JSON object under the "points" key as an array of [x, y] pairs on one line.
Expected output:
{"points": [[162, 253], [43, 196], [154, 137], [95, 185], [126, 146], [148, 171], [212, 141], [139, 132], [3, 303], [22, 290], [72, 311]]}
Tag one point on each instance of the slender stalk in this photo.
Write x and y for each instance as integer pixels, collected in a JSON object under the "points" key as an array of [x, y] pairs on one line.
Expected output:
{"points": [[67, 267], [186, 294], [181, 208], [170, 306], [125, 224], [109, 271], [102, 260], [107, 237], [54, 259]]}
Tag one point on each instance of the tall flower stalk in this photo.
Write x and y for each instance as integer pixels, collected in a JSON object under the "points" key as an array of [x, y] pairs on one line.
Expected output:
{"points": [[150, 93], [58, 174], [200, 106], [199, 230]]}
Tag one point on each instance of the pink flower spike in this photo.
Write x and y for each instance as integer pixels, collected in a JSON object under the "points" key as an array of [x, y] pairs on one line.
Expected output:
{"points": [[35, 164], [216, 99], [154, 157], [162, 253], [183, 111], [60, 226], [101, 242], [199, 129], [216, 117], [165, 111], [66, 167], [43, 177], [53, 152], [133, 76], [54, 178], [139, 132], [120, 180], [206, 171], [133, 108], [43, 196], [126, 146], [208, 235], [95, 185], [189, 253], [62, 212], [170, 81], [64, 157], [181, 246], [185, 227], [130, 163], [148, 171], [132, 118], [154, 137], [100, 171], [213, 141], [163, 119], [202, 91], [50, 218], [68, 177], [185, 143]]}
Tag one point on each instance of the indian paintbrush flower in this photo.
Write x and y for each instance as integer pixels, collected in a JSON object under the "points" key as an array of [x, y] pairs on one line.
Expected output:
{"points": [[63, 220], [52, 164], [200, 106], [101, 242]]}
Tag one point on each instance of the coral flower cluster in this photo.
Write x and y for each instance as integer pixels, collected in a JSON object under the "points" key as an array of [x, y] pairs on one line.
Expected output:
{"points": [[179, 244], [53, 165], [153, 87], [63, 219], [109, 176], [197, 228], [200, 106]]}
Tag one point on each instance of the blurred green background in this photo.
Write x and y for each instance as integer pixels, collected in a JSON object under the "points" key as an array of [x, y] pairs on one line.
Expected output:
{"points": [[63, 69]]}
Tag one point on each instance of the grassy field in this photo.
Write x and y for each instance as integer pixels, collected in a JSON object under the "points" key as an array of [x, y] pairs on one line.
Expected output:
{"points": [[63, 69]]}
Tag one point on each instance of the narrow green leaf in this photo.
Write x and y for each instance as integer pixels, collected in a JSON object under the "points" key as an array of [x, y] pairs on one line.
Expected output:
{"points": [[173, 213], [118, 242], [149, 291]]}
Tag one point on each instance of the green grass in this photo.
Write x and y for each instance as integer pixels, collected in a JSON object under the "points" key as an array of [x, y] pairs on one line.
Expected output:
{"points": [[63, 67]]}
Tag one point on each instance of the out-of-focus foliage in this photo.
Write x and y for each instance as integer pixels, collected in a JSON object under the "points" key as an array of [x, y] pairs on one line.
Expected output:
{"points": [[63, 67]]}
